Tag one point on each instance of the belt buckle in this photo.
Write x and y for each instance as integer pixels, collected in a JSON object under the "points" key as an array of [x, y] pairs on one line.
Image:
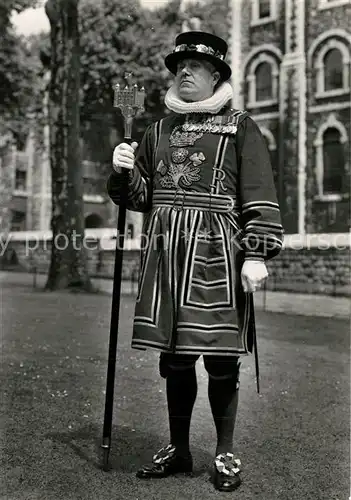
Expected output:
{"points": [[174, 206]]}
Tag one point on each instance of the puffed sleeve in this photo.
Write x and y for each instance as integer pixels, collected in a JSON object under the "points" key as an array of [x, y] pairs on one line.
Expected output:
{"points": [[140, 178], [261, 218]]}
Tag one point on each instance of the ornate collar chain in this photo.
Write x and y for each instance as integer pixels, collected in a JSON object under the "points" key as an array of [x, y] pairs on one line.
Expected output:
{"points": [[218, 124]]}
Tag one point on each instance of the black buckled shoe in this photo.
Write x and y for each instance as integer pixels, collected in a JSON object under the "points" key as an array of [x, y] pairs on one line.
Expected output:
{"points": [[166, 463], [226, 472]]}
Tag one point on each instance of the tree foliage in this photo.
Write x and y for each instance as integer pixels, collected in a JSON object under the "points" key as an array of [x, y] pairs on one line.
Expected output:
{"points": [[214, 15], [115, 37], [123, 37], [19, 70]]}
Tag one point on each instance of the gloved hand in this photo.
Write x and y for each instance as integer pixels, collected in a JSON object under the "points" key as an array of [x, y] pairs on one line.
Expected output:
{"points": [[253, 274], [123, 156]]}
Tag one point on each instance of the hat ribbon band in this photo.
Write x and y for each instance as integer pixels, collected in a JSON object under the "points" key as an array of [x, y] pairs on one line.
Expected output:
{"points": [[203, 49]]}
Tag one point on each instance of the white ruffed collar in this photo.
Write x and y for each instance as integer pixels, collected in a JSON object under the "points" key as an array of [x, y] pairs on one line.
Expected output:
{"points": [[212, 104]]}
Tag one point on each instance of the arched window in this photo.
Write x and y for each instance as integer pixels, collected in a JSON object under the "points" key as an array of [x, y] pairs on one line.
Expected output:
{"points": [[264, 8], [333, 71], [263, 11], [21, 171], [18, 221], [130, 231], [264, 82], [262, 76], [93, 221], [20, 180], [333, 162], [329, 55]]}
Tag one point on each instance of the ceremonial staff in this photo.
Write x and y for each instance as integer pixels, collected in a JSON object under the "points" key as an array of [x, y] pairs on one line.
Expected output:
{"points": [[130, 101], [254, 333]]}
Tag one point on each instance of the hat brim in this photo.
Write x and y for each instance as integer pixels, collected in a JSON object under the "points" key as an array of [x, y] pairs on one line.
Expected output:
{"points": [[172, 60]]}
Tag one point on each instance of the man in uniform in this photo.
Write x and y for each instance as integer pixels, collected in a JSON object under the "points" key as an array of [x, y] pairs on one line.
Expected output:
{"points": [[204, 180]]}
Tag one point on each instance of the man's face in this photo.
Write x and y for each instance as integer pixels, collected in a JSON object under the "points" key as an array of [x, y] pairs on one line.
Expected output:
{"points": [[195, 79]]}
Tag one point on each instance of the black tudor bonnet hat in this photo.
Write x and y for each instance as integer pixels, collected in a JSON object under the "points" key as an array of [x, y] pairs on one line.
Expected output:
{"points": [[200, 45]]}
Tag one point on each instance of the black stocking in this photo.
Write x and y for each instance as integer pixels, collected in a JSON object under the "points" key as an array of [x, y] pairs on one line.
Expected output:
{"points": [[181, 396], [223, 396]]}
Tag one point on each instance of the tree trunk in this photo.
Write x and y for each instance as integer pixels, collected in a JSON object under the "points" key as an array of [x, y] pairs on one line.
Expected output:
{"points": [[68, 267]]}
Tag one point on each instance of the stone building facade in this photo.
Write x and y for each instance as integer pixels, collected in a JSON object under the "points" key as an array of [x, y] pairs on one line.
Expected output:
{"points": [[25, 190], [291, 71]]}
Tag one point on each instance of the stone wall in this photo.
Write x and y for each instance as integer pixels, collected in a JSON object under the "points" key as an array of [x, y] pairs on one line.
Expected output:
{"points": [[318, 21], [311, 271], [321, 266]]}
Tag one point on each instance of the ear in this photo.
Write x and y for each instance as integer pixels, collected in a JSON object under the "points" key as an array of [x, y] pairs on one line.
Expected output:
{"points": [[216, 77]]}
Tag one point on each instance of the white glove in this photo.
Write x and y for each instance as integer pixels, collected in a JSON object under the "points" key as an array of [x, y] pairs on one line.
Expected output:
{"points": [[253, 274], [123, 156]]}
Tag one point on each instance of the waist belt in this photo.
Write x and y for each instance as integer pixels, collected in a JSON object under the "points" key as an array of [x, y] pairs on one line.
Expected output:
{"points": [[180, 200]]}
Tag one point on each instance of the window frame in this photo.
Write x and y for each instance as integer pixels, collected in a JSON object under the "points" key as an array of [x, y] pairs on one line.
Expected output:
{"points": [[319, 65], [94, 214], [331, 122], [130, 232], [21, 164], [89, 197], [251, 79], [258, 84], [17, 226], [256, 20], [330, 4], [272, 144], [18, 190]]}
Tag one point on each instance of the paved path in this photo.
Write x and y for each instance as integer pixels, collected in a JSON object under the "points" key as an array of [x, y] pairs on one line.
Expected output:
{"points": [[293, 439]]}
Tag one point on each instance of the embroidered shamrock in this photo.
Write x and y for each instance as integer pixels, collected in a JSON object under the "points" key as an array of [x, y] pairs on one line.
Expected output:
{"points": [[197, 158]]}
